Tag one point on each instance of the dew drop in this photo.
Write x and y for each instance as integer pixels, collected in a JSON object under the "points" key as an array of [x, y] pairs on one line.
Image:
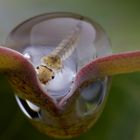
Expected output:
{"points": [[27, 55], [39, 36]]}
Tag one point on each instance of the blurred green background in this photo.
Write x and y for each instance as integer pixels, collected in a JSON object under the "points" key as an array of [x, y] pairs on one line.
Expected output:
{"points": [[121, 20]]}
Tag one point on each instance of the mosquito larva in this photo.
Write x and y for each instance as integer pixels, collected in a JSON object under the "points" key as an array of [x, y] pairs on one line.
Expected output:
{"points": [[54, 61]]}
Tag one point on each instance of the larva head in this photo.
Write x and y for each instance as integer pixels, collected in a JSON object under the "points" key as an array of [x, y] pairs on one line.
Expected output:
{"points": [[53, 62], [44, 74]]}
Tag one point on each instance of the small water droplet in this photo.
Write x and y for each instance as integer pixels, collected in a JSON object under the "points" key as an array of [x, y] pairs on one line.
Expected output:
{"points": [[27, 55]]}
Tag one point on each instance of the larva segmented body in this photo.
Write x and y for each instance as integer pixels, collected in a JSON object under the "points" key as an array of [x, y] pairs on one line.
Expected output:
{"points": [[67, 46], [54, 61]]}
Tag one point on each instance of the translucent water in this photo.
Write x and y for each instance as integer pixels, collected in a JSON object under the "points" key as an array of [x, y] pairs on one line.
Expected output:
{"points": [[91, 97], [41, 35]]}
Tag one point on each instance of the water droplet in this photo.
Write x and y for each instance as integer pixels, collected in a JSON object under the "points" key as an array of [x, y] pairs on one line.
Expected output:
{"points": [[38, 37], [27, 55]]}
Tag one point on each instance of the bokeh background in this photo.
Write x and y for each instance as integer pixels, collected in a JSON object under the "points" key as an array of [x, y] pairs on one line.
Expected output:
{"points": [[121, 20]]}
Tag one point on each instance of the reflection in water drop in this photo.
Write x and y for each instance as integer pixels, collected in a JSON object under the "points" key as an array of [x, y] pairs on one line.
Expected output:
{"points": [[91, 97]]}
